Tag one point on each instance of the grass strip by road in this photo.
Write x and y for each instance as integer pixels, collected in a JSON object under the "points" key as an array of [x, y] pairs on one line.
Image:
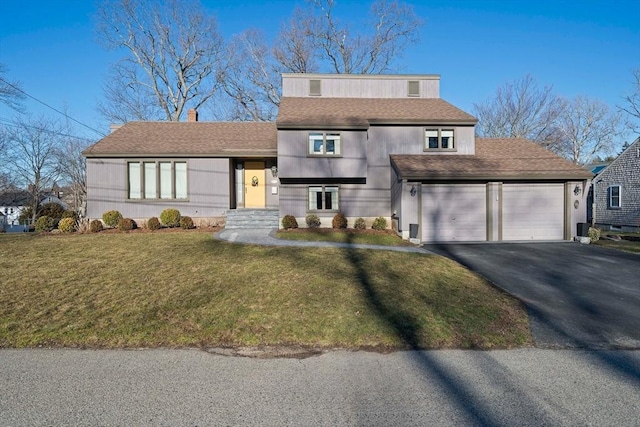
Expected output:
{"points": [[360, 237], [121, 290]]}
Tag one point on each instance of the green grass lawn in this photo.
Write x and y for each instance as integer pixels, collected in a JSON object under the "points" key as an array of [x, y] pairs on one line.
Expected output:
{"points": [[363, 237], [186, 289], [623, 245]]}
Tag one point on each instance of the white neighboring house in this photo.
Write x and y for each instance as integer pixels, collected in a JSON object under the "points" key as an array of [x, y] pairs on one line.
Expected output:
{"points": [[12, 203]]}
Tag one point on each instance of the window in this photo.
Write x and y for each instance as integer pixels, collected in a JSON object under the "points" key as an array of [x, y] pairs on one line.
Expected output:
{"points": [[615, 197], [323, 198], [314, 88], [413, 88], [439, 139], [157, 180], [324, 144]]}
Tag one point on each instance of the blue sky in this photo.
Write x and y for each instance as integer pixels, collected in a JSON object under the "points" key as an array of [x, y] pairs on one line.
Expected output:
{"points": [[580, 47]]}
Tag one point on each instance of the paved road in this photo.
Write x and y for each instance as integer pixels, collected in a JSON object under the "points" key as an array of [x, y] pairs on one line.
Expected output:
{"points": [[445, 388], [578, 296]]}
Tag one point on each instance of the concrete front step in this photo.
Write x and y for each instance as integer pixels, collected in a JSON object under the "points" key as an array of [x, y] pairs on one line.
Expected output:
{"points": [[252, 218]]}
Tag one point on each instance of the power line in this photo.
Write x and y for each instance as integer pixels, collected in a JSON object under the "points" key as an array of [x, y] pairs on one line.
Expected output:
{"points": [[19, 125], [49, 106]]}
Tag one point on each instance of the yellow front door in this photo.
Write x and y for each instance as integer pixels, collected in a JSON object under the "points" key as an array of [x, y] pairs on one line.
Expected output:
{"points": [[254, 185]]}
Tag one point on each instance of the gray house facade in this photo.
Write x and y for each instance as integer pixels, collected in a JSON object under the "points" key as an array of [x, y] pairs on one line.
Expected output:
{"points": [[616, 190], [365, 146]]}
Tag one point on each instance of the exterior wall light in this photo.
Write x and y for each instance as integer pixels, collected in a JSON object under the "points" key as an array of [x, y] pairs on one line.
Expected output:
{"points": [[413, 191], [274, 171], [577, 190]]}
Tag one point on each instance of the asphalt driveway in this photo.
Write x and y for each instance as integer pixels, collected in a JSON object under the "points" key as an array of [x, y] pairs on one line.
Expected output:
{"points": [[577, 296]]}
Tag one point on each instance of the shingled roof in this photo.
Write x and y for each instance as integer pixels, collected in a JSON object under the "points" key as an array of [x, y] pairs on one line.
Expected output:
{"points": [[495, 158], [359, 113], [188, 139]]}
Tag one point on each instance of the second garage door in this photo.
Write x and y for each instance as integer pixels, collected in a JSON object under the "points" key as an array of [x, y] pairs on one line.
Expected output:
{"points": [[532, 211], [454, 212]]}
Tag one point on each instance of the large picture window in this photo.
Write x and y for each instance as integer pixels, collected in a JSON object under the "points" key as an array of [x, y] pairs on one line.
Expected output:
{"points": [[615, 197], [157, 180], [323, 198], [324, 144], [439, 139]]}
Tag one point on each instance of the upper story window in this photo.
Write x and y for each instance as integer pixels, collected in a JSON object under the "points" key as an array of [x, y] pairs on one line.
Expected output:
{"points": [[157, 180], [439, 139], [324, 144], [315, 88], [615, 197]]}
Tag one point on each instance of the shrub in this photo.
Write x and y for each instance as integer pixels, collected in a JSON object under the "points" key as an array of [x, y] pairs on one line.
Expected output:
{"points": [[170, 217], [289, 221], [95, 226], [44, 223], [153, 223], [186, 223], [339, 221], [52, 210], [67, 225], [312, 221], [25, 216], [594, 234], [360, 224], [70, 214], [111, 218], [379, 223], [83, 225], [126, 224]]}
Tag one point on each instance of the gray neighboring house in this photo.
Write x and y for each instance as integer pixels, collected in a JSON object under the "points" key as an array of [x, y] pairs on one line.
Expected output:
{"points": [[617, 192], [363, 145]]}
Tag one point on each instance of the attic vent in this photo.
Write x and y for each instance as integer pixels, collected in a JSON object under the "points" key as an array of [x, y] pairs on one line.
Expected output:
{"points": [[314, 87], [414, 88]]}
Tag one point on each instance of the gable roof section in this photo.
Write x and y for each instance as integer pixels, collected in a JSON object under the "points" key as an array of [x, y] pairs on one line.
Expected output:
{"points": [[633, 150], [495, 158], [360, 113], [184, 139]]}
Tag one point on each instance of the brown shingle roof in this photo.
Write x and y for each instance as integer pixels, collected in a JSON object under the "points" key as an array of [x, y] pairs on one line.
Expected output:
{"points": [[188, 138], [361, 112], [495, 158]]}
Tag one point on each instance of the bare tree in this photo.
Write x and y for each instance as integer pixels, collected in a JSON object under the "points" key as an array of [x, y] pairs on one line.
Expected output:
{"points": [[587, 129], [11, 93], [30, 156], [631, 106], [72, 170], [521, 109], [173, 54]]}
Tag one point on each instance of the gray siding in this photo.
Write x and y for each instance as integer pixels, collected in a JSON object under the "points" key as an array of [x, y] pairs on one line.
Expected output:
{"points": [[360, 86], [624, 171], [295, 162], [207, 181]]}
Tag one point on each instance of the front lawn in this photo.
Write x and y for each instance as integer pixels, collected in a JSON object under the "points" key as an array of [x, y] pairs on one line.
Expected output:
{"points": [[187, 289], [629, 242], [361, 237]]}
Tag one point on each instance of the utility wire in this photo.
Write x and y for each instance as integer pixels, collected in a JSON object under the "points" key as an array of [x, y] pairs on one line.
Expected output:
{"points": [[20, 125], [49, 106]]}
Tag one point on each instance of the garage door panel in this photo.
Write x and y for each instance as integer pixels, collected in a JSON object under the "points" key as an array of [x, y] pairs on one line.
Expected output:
{"points": [[532, 211], [454, 212]]}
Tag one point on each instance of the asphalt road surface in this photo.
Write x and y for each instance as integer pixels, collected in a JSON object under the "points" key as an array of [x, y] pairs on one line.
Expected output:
{"points": [[196, 388]]}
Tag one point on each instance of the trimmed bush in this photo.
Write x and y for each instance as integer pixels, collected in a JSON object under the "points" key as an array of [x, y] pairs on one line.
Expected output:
{"points": [[126, 224], [170, 217], [45, 223], [70, 214], [594, 234], [111, 218], [339, 221], [153, 223], [95, 226], [289, 221], [312, 221], [360, 224], [379, 223], [186, 223], [67, 225]]}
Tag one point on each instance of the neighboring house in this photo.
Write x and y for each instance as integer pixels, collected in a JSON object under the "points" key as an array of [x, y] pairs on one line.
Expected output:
{"points": [[595, 169], [617, 192], [363, 145], [13, 202]]}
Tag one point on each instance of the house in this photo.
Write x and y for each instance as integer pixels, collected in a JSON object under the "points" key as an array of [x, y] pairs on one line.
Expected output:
{"points": [[363, 145], [616, 204], [13, 202]]}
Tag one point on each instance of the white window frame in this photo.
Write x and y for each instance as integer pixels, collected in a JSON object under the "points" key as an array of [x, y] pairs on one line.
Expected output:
{"points": [[324, 189], [138, 186], [441, 133], [610, 197], [326, 136]]}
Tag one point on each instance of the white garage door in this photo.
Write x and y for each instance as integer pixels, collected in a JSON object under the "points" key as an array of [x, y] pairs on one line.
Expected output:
{"points": [[454, 212], [532, 211]]}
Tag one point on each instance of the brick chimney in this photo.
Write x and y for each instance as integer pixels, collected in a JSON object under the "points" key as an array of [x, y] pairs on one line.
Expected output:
{"points": [[192, 115]]}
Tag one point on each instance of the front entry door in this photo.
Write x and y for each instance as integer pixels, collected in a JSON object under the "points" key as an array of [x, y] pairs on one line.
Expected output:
{"points": [[254, 185]]}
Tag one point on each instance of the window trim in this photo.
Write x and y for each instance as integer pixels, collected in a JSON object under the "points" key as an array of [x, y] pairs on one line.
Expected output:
{"points": [[439, 130], [610, 204], [324, 144], [158, 180], [323, 190]]}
